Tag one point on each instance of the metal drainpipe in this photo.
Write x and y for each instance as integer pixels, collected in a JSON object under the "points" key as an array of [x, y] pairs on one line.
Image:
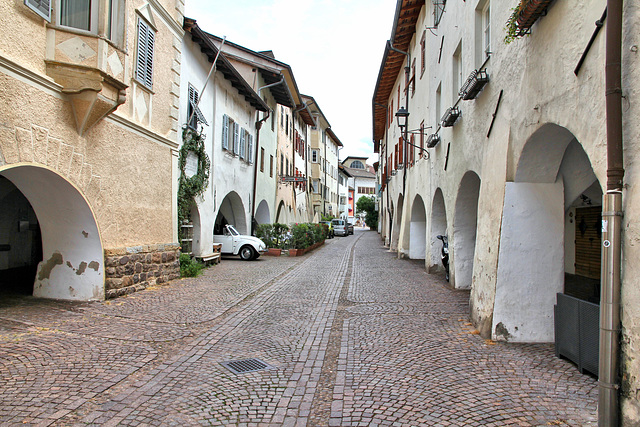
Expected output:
{"points": [[407, 70], [608, 375], [259, 124]]}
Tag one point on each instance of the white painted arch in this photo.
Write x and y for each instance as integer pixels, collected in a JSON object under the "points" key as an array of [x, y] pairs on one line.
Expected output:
{"points": [[464, 230], [233, 212], [73, 256], [418, 230]]}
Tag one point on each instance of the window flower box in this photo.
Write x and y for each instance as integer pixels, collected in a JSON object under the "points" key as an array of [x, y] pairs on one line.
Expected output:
{"points": [[474, 85], [450, 117], [433, 140]]}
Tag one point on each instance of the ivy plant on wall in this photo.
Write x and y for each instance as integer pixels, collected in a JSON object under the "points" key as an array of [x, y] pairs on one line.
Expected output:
{"points": [[190, 187]]}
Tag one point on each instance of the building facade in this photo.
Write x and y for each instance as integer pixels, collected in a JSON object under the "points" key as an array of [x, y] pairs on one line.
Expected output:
{"points": [[227, 112], [88, 146], [504, 152]]}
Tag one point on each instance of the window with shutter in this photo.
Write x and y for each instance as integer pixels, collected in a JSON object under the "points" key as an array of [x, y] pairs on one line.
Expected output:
{"points": [[250, 148], [41, 7], [236, 138], [196, 117], [243, 143], [144, 60], [225, 132]]}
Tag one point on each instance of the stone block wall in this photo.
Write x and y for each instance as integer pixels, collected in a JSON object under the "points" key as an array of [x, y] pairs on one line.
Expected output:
{"points": [[134, 268]]}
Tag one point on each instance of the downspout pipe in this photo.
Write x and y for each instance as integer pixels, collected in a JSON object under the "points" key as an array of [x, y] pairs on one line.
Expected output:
{"points": [[608, 370], [259, 124]]}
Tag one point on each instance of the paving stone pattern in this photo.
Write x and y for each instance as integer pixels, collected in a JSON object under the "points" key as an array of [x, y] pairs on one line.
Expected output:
{"points": [[355, 336]]}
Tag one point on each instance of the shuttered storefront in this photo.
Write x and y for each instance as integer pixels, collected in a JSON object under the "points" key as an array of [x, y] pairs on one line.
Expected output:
{"points": [[588, 236]]}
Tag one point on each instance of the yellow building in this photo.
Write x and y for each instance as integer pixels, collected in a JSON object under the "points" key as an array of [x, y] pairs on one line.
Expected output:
{"points": [[88, 139]]}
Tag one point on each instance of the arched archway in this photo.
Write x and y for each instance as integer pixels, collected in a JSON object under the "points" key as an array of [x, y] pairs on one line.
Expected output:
{"points": [[397, 223], [464, 230], [196, 244], [281, 213], [263, 216], [418, 230], [231, 212], [554, 177], [438, 227], [72, 265]]}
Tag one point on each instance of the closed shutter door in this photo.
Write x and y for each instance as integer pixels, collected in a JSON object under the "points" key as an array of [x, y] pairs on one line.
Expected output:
{"points": [[588, 246], [144, 61], [250, 148], [225, 132], [243, 142]]}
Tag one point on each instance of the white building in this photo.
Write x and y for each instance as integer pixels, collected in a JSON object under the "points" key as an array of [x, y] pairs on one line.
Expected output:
{"points": [[362, 182], [228, 113], [516, 170]]}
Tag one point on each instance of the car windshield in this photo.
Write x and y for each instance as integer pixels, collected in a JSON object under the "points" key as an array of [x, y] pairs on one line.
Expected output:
{"points": [[232, 230], [338, 222]]}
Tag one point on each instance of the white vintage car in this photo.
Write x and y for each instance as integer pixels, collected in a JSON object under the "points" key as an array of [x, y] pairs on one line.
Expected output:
{"points": [[234, 243]]}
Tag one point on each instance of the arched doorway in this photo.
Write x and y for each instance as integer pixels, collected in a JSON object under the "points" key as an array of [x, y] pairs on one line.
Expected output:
{"points": [[464, 230], [281, 213], [438, 227], [397, 223], [418, 230], [263, 215], [231, 212], [554, 179], [72, 263]]}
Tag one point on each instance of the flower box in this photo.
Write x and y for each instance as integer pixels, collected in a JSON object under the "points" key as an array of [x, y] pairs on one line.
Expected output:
{"points": [[530, 11]]}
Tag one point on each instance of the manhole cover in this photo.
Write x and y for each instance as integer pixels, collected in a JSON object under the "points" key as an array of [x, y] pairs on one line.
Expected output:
{"points": [[246, 365]]}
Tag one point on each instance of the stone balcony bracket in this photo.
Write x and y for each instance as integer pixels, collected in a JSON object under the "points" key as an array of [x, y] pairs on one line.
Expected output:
{"points": [[93, 93]]}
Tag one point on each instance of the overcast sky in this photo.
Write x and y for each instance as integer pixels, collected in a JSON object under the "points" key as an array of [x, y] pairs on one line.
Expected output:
{"points": [[334, 48]]}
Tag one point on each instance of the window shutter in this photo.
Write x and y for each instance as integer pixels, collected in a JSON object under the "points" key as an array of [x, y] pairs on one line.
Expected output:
{"points": [[250, 148], [144, 61], [236, 138], [225, 132], [243, 143], [41, 7]]}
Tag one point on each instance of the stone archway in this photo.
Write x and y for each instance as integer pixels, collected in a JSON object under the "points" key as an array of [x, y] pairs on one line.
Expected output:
{"points": [[72, 265], [231, 212], [554, 175], [281, 213], [263, 216], [438, 227], [464, 230], [397, 224], [418, 230]]}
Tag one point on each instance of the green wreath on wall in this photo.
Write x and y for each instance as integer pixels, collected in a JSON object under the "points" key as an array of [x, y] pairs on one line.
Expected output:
{"points": [[191, 187]]}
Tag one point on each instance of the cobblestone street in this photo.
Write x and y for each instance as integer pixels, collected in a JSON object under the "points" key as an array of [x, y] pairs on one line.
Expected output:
{"points": [[353, 335]]}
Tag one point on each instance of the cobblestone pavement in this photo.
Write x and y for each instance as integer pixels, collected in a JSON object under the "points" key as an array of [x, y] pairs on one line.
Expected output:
{"points": [[353, 337]]}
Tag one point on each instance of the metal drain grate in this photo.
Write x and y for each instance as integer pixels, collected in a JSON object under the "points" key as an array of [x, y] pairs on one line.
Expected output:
{"points": [[246, 365]]}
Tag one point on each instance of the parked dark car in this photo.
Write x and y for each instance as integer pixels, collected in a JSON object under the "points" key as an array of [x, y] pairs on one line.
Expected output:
{"points": [[349, 227]]}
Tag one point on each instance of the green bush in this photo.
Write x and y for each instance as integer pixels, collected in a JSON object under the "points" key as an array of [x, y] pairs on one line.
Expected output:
{"points": [[273, 235], [190, 267], [265, 233]]}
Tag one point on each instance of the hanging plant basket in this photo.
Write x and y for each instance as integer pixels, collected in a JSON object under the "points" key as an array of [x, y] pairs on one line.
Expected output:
{"points": [[524, 15]]}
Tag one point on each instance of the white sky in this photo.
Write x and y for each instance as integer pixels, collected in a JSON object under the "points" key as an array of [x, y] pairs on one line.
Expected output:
{"points": [[334, 48]]}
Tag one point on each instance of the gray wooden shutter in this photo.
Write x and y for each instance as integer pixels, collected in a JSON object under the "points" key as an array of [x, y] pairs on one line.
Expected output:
{"points": [[236, 138], [243, 143], [225, 132], [41, 7], [250, 148], [144, 61]]}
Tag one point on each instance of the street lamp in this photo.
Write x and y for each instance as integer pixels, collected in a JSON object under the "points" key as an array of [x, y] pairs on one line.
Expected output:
{"points": [[402, 116]]}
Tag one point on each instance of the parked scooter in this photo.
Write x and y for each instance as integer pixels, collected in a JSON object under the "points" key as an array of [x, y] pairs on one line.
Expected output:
{"points": [[444, 254]]}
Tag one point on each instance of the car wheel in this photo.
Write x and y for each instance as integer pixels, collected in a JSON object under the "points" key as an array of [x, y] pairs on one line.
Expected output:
{"points": [[246, 253]]}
